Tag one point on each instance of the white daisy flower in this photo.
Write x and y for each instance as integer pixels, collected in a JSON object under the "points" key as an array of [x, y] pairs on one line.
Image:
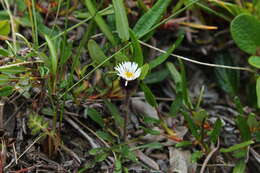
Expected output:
{"points": [[128, 71]]}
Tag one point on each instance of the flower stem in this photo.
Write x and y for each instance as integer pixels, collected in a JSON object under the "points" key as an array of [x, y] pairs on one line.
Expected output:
{"points": [[126, 109]]}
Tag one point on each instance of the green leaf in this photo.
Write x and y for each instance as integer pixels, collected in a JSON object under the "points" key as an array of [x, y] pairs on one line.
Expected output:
{"points": [[150, 98], [13, 70], [151, 17], [196, 156], [242, 153], [138, 53], [105, 136], [150, 120], [4, 79], [151, 131], [216, 131], [160, 59], [176, 105], [127, 153], [252, 121], [228, 79], [6, 91], [115, 113], [4, 27], [53, 55], [192, 126], [95, 151], [258, 91], [257, 136], [118, 166], [37, 124], [48, 111], [240, 167], [4, 15], [232, 8], [245, 32], [200, 115], [96, 53], [4, 52], [95, 116], [100, 22], [66, 52], [155, 77], [243, 127], [184, 86], [176, 76], [121, 19], [254, 61], [183, 144], [101, 157], [144, 71], [236, 147]]}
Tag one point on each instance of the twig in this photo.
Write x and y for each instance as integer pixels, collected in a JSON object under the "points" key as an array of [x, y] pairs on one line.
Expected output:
{"points": [[15, 154], [197, 62], [73, 124], [18, 64], [218, 165], [91, 131], [36, 140], [1, 115], [208, 158], [255, 154], [72, 153]]}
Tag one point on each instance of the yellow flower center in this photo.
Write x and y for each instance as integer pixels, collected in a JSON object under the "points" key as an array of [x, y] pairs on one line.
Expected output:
{"points": [[129, 74]]}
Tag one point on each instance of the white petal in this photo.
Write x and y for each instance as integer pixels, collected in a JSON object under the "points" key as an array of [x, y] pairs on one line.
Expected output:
{"points": [[128, 66], [138, 72]]}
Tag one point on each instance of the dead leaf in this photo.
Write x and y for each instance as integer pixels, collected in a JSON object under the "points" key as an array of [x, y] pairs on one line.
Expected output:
{"points": [[144, 108], [180, 161], [147, 160]]}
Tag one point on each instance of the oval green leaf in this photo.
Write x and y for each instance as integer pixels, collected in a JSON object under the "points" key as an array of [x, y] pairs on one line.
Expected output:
{"points": [[258, 91], [254, 61], [121, 20], [150, 98], [144, 71], [245, 32], [6, 91], [96, 53], [4, 27]]}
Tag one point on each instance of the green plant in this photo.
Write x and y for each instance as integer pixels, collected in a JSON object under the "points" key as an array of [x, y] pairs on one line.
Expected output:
{"points": [[245, 32]]}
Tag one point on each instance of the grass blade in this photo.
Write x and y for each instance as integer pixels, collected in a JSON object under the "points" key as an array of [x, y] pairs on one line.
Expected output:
{"points": [[160, 59], [100, 22], [192, 126], [115, 113], [150, 98], [95, 116], [216, 131], [243, 127], [53, 55], [240, 167], [121, 20], [176, 76], [96, 53], [236, 147], [138, 53], [150, 18]]}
